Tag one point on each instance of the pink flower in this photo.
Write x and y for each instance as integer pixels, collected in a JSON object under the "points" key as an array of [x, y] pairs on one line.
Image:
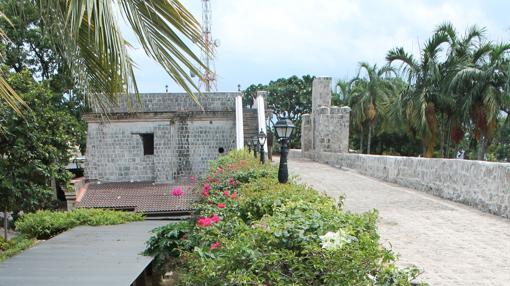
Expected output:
{"points": [[207, 188], [192, 179], [234, 195], [215, 218], [226, 193], [177, 192], [204, 222], [214, 245], [232, 182], [221, 206]]}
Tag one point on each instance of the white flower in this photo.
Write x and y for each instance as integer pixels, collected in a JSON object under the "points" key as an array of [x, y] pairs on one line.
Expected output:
{"points": [[335, 240]]}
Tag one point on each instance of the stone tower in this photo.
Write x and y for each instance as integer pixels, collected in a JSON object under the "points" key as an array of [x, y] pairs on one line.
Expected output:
{"points": [[326, 129]]}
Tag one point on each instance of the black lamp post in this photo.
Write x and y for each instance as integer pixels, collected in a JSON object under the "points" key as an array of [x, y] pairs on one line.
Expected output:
{"points": [[249, 147], [283, 129], [254, 142], [262, 140]]}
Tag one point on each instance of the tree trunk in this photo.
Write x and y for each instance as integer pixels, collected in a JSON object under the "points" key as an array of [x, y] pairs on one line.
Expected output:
{"points": [[361, 141], [369, 139], [448, 138], [482, 146], [6, 224], [443, 136]]}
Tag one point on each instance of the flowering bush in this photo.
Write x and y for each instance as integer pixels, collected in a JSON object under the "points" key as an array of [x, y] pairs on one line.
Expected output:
{"points": [[250, 230]]}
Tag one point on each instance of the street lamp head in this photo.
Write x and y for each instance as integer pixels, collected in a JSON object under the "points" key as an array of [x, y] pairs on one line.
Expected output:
{"points": [[262, 137], [254, 141], [284, 128], [249, 143]]}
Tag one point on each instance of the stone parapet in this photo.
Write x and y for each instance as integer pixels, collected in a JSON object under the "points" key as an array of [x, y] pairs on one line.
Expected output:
{"points": [[172, 102], [483, 185]]}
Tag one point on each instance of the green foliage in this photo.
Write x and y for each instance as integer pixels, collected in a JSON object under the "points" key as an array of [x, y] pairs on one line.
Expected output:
{"points": [[35, 147], [9, 248], [271, 234], [30, 49], [288, 97], [46, 224]]}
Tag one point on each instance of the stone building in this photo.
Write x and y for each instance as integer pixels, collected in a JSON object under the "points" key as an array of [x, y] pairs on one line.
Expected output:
{"points": [[150, 144], [162, 137], [326, 129]]}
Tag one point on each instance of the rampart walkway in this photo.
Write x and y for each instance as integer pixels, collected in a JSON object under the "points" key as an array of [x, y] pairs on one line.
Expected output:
{"points": [[453, 244]]}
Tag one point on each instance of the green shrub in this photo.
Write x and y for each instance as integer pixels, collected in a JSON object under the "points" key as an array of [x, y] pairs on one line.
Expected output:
{"points": [[272, 234], [11, 247], [46, 224]]}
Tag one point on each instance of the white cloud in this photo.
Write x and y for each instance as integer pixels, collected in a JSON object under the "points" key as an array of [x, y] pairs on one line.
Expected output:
{"points": [[266, 39]]}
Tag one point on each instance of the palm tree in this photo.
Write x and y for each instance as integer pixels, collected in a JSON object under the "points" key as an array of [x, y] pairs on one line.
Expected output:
{"points": [[373, 89], [453, 116], [483, 85], [423, 95], [86, 34], [357, 100], [342, 91]]}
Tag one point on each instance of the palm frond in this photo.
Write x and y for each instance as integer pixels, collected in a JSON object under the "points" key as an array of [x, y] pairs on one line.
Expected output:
{"points": [[156, 25]]}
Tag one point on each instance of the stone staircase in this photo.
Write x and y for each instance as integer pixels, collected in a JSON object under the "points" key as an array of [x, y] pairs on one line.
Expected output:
{"points": [[250, 123]]}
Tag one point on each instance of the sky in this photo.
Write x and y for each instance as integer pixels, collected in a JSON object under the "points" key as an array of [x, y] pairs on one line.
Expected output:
{"points": [[263, 40]]}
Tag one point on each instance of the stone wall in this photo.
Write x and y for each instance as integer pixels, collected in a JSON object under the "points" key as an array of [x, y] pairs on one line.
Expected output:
{"points": [[483, 185], [172, 102], [181, 148]]}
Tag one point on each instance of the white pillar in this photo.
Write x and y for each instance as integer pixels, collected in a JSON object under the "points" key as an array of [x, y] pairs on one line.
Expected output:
{"points": [[261, 112], [239, 122]]}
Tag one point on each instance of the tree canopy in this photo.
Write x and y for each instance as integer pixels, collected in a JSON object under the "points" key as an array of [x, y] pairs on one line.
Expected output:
{"points": [[86, 35], [287, 97], [34, 147]]}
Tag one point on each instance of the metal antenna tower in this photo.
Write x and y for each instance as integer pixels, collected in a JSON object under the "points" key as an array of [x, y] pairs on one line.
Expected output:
{"points": [[207, 56]]}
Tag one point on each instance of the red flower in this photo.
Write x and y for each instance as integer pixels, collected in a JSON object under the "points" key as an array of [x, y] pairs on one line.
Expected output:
{"points": [[232, 182], [204, 222], [221, 206], [177, 191], [226, 193], [214, 245], [205, 193], [215, 218], [234, 195]]}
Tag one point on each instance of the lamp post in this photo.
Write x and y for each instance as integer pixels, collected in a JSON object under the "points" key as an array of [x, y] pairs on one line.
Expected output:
{"points": [[262, 140], [254, 142], [283, 129]]}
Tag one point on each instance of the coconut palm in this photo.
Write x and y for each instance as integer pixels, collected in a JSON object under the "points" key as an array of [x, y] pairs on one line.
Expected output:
{"points": [[86, 34], [371, 90]]}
